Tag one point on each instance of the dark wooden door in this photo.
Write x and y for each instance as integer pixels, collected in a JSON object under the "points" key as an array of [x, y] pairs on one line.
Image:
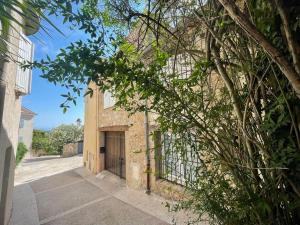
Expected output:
{"points": [[115, 161]]}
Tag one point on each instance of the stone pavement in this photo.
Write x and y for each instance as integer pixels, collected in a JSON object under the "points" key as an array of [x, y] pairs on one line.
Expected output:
{"points": [[77, 197], [38, 167]]}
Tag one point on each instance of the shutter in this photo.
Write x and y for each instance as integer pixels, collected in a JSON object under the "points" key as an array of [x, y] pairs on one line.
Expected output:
{"points": [[23, 79], [108, 100]]}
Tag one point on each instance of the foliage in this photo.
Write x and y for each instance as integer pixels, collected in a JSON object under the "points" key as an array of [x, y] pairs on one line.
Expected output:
{"points": [[64, 134], [12, 11], [41, 144], [237, 102], [52, 142], [21, 151]]}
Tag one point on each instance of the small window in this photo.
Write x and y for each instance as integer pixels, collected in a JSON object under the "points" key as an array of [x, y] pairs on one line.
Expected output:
{"points": [[108, 100], [22, 121]]}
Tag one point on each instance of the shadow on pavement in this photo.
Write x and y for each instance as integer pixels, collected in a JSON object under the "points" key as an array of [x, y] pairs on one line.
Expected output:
{"points": [[42, 158], [77, 197]]}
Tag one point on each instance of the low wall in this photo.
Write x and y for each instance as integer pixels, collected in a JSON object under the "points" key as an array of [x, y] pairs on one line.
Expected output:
{"points": [[70, 149]]}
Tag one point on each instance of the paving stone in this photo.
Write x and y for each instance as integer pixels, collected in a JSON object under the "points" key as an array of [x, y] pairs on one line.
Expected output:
{"points": [[39, 167], [58, 200], [55, 181], [78, 197], [24, 206], [110, 211]]}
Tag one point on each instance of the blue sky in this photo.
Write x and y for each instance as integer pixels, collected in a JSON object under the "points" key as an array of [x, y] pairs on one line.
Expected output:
{"points": [[45, 97]]}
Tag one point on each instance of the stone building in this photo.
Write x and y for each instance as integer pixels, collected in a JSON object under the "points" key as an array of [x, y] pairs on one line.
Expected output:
{"points": [[115, 142], [14, 83], [120, 143], [132, 147]]}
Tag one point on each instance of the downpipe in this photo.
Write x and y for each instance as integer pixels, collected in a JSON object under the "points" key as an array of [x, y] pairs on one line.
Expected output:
{"points": [[2, 88], [2, 97], [146, 117]]}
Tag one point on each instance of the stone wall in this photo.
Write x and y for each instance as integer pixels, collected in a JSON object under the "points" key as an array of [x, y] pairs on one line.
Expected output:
{"points": [[99, 120], [70, 149]]}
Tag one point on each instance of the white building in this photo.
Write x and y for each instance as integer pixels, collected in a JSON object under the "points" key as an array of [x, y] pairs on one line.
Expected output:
{"points": [[26, 127]]}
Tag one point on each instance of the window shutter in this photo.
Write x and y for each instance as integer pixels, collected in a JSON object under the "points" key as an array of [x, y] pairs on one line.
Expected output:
{"points": [[23, 79], [108, 100]]}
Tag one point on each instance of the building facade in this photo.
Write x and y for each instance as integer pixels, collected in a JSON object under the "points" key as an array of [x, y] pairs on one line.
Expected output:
{"points": [[26, 127], [117, 142], [132, 147], [14, 83]]}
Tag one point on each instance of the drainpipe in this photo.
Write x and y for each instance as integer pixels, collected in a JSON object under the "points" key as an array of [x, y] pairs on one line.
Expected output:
{"points": [[2, 97], [97, 155], [148, 190], [3, 59]]}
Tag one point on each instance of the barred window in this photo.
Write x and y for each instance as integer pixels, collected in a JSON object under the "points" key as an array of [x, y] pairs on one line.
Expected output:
{"points": [[179, 159], [179, 66]]}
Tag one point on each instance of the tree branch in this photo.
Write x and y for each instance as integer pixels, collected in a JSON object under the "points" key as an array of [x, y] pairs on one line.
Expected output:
{"points": [[283, 64], [289, 37]]}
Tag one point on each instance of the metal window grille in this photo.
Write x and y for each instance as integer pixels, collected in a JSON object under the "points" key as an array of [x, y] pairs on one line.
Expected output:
{"points": [[179, 66], [179, 159]]}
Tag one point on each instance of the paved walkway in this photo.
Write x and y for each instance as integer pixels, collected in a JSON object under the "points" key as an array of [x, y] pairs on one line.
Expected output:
{"points": [[77, 197], [34, 168]]}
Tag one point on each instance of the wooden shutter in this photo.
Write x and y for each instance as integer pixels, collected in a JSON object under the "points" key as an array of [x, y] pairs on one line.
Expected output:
{"points": [[23, 79]]}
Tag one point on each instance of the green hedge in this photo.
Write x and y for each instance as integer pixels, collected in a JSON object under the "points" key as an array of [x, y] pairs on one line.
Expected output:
{"points": [[41, 143], [21, 151]]}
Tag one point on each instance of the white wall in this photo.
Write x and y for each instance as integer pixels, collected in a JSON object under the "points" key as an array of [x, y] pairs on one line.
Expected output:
{"points": [[25, 132]]}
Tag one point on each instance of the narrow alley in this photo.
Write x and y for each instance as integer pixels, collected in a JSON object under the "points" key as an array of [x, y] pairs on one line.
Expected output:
{"points": [[58, 191]]}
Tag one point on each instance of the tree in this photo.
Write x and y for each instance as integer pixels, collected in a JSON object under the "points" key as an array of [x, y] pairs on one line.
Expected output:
{"points": [[40, 143], [239, 103], [78, 122], [64, 134]]}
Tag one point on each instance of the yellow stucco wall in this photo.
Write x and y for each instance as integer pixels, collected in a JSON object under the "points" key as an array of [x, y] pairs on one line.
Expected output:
{"points": [[134, 138], [90, 131]]}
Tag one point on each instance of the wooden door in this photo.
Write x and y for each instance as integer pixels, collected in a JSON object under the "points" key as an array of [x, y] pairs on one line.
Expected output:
{"points": [[115, 161]]}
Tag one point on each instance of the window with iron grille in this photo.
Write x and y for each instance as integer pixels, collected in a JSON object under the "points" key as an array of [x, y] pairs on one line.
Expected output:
{"points": [[179, 67], [179, 161]]}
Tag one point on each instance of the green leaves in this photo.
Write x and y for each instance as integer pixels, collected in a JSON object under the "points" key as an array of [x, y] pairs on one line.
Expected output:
{"points": [[52, 142], [248, 146], [21, 151], [64, 134]]}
